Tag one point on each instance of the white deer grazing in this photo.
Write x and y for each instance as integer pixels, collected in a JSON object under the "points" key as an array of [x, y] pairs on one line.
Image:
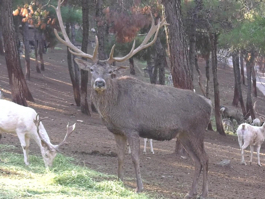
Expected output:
{"points": [[131, 109], [24, 121]]}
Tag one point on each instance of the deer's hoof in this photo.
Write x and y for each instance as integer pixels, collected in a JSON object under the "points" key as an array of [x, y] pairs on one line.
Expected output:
{"points": [[259, 164], [188, 196]]}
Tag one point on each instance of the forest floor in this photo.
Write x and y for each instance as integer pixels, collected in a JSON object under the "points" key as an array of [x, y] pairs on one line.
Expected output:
{"points": [[164, 175]]}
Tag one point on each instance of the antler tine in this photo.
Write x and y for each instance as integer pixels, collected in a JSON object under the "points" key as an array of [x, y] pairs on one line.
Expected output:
{"points": [[74, 50], [153, 30], [37, 123], [69, 131]]}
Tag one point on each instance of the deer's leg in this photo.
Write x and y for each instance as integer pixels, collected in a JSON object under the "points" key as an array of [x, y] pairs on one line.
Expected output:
{"points": [[145, 140], [251, 153], [195, 149], [245, 145], [258, 151], [134, 142], [151, 146], [121, 146], [24, 141]]}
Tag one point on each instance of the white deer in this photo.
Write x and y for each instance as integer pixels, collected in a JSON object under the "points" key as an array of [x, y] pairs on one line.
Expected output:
{"points": [[25, 122]]}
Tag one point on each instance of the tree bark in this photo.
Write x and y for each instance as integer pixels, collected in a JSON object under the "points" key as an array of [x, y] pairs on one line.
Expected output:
{"points": [[160, 59], [218, 119], [254, 81], [19, 88], [207, 73], [242, 68], [132, 69], [25, 27], [84, 74], [72, 71], [36, 49], [236, 93], [180, 68], [238, 82], [249, 59], [1, 41], [100, 30]]}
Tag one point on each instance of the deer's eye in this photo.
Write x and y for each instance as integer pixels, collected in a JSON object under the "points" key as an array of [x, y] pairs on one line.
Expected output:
{"points": [[110, 72], [91, 70]]}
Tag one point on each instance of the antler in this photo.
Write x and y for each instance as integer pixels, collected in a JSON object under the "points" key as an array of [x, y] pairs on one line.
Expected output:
{"points": [[73, 49], [153, 30], [69, 130], [37, 123]]}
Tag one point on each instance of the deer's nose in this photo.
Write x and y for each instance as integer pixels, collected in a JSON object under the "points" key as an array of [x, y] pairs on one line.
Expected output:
{"points": [[100, 83]]}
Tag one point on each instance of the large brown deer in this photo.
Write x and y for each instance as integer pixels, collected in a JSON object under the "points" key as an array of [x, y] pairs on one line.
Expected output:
{"points": [[131, 109]]}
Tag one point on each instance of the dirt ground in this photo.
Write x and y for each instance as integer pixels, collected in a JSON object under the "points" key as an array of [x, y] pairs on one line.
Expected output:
{"points": [[164, 175]]}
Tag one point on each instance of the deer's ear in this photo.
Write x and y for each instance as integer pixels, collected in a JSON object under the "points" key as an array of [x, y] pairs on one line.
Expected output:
{"points": [[45, 145], [83, 64]]}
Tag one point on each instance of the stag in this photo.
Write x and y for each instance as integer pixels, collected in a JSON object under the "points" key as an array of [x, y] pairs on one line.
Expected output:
{"points": [[131, 109]]}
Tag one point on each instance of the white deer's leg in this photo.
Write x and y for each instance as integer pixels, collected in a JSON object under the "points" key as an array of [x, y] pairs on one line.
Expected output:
{"points": [[145, 140], [129, 148], [242, 153], [151, 146], [24, 141], [258, 152], [134, 142], [251, 153], [121, 142]]}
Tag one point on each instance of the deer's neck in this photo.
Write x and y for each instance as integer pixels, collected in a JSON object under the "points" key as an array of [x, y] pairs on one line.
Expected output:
{"points": [[103, 100]]}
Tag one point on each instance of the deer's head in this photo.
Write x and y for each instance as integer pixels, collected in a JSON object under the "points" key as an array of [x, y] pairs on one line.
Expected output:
{"points": [[102, 70], [48, 150]]}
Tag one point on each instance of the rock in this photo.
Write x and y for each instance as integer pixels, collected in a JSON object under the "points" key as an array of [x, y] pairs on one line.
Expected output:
{"points": [[225, 163]]}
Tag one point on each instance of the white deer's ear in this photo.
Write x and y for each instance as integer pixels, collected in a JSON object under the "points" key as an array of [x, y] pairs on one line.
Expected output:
{"points": [[83, 64], [45, 145]]}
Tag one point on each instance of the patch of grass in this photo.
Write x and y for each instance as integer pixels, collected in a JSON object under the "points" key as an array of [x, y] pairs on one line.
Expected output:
{"points": [[63, 180]]}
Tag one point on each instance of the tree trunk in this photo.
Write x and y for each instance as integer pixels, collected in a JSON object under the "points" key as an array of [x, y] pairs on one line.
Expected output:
{"points": [[151, 69], [100, 30], [132, 69], [160, 59], [180, 68], [36, 49], [218, 119], [236, 93], [207, 73], [254, 81], [41, 49], [72, 72], [1, 41], [199, 76], [84, 74], [249, 59], [192, 41], [242, 68], [238, 82], [25, 27], [19, 88]]}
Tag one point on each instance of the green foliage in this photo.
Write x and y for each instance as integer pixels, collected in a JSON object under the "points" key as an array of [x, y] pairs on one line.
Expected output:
{"points": [[248, 30], [63, 180]]}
